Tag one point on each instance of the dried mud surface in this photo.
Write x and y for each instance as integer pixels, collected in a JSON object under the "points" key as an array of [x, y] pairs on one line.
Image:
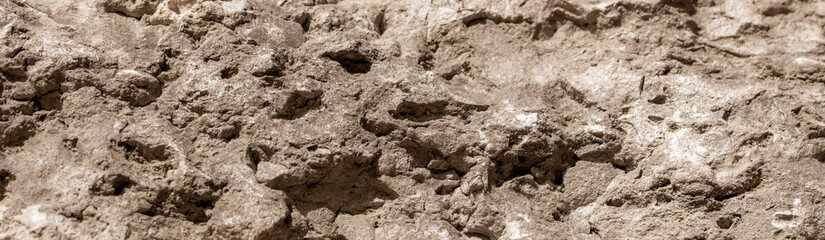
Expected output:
{"points": [[410, 119]]}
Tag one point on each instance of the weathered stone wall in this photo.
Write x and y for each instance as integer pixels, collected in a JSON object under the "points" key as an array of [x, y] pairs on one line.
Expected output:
{"points": [[410, 119]]}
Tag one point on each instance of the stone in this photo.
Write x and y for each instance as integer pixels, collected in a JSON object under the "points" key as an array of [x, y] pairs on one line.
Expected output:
{"points": [[586, 181], [24, 92], [409, 119]]}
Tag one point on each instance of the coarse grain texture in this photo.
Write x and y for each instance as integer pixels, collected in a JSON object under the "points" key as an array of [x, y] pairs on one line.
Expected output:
{"points": [[411, 119]]}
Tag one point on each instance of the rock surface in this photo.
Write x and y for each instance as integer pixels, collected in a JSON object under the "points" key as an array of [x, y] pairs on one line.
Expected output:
{"points": [[409, 119]]}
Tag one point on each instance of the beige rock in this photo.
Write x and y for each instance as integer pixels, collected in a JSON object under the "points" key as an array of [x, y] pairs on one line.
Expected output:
{"points": [[375, 119]]}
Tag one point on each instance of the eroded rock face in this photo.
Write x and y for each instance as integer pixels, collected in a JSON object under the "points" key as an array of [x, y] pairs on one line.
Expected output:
{"points": [[370, 119]]}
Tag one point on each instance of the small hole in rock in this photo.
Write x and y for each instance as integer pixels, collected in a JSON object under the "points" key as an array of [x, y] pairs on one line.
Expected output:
{"points": [[228, 72], [257, 153], [380, 23], [659, 99], [305, 20], [111, 185], [5, 178], [142, 153], [353, 62]]}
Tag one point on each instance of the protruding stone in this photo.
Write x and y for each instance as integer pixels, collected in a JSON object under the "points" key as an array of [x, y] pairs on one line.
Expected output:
{"points": [[24, 91], [586, 181]]}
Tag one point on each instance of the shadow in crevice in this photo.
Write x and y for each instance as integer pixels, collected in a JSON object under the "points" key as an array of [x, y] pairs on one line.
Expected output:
{"points": [[5, 179], [420, 152], [543, 157], [191, 203], [349, 188], [353, 62], [420, 112], [432, 110], [341, 181], [350, 197], [140, 152], [689, 6], [111, 185]]}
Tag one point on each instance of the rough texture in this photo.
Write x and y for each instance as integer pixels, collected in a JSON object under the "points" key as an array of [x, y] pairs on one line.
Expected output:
{"points": [[443, 119]]}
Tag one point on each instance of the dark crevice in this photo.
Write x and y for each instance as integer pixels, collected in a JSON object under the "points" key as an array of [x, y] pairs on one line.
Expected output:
{"points": [[428, 111], [49, 101], [755, 96], [487, 18], [478, 21], [6, 178], [659, 99], [420, 152], [447, 188], [139, 152], [232, 136], [725, 222], [191, 204], [773, 11], [15, 52], [726, 114], [689, 6], [620, 167], [544, 31], [725, 193], [379, 128], [420, 112], [304, 20], [229, 72], [380, 23], [270, 75], [594, 231], [558, 178], [523, 167], [257, 153], [545, 159], [796, 110], [111, 185], [120, 13], [615, 202], [352, 61], [70, 143], [355, 188], [757, 139], [819, 155], [426, 59]]}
